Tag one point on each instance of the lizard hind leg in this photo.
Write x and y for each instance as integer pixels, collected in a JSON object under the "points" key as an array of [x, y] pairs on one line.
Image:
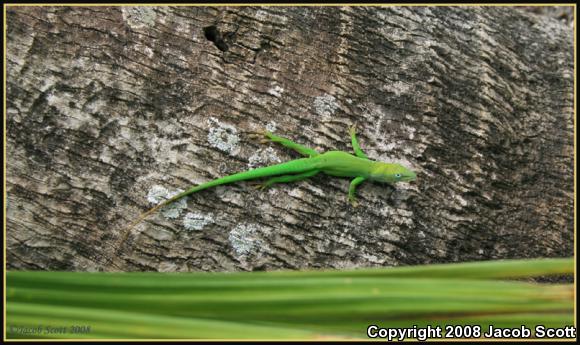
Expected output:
{"points": [[303, 150], [288, 178]]}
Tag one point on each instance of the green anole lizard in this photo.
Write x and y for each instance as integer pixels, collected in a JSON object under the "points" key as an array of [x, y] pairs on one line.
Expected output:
{"points": [[334, 163]]}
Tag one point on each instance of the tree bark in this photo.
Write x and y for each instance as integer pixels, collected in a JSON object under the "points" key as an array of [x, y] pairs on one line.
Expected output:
{"points": [[109, 109]]}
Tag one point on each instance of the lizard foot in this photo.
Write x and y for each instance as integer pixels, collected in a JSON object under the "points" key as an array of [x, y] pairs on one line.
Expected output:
{"points": [[262, 135], [352, 129], [353, 202], [259, 185]]}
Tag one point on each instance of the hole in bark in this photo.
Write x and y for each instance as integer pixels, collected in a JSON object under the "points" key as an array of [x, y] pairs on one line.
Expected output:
{"points": [[213, 34]]}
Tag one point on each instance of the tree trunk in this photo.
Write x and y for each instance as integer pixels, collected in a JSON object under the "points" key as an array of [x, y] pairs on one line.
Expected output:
{"points": [[110, 109]]}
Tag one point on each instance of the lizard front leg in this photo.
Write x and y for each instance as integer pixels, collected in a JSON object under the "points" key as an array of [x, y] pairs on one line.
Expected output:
{"points": [[357, 150], [352, 190]]}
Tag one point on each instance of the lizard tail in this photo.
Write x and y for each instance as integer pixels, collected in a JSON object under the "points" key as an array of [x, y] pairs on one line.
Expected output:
{"points": [[295, 166], [145, 214], [141, 217]]}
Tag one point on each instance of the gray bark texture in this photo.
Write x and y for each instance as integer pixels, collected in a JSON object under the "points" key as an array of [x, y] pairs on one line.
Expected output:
{"points": [[110, 109]]}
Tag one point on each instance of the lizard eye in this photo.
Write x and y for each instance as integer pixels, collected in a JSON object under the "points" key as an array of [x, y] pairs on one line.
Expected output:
{"points": [[398, 175]]}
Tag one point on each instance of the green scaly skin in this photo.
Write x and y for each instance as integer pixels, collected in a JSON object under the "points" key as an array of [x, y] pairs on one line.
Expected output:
{"points": [[334, 163]]}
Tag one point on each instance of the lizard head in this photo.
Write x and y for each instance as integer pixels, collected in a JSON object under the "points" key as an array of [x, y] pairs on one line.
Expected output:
{"points": [[392, 173]]}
